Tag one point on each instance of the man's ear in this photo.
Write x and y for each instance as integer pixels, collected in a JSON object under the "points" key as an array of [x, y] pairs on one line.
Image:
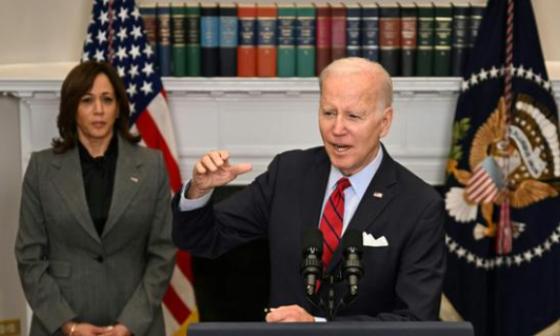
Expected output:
{"points": [[386, 121]]}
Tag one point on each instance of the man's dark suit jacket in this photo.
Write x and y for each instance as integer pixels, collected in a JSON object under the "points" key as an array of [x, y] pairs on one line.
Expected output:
{"points": [[402, 281]]}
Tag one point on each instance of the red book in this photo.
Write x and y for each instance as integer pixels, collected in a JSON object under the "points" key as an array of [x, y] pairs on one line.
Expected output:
{"points": [[338, 31], [324, 38], [266, 40], [247, 46]]}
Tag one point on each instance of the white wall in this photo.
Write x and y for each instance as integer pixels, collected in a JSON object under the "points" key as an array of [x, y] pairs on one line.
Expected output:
{"points": [[12, 304]]}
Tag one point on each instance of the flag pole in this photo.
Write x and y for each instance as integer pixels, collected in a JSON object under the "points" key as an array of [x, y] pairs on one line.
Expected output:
{"points": [[504, 232]]}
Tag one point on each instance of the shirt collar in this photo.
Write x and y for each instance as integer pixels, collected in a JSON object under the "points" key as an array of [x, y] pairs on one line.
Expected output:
{"points": [[359, 181]]}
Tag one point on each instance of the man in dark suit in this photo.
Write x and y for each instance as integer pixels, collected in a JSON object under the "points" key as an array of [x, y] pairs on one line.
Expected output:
{"points": [[400, 217]]}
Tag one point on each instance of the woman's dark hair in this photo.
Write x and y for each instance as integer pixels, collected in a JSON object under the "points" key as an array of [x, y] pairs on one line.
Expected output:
{"points": [[78, 82]]}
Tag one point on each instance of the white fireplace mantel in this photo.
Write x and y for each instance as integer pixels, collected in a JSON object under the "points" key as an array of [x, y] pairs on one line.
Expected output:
{"points": [[257, 118]]}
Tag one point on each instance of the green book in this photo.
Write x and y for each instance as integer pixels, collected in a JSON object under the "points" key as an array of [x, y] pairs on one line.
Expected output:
{"points": [[192, 23], [286, 61], [178, 45], [305, 41], [425, 41], [443, 29]]}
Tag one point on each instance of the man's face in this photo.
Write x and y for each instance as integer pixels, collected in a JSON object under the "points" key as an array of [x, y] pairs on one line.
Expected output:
{"points": [[352, 120]]}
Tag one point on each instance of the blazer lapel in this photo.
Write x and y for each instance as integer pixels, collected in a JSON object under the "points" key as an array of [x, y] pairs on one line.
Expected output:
{"points": [[67, 178], [128, 178], [378, 195], [313, 193]]}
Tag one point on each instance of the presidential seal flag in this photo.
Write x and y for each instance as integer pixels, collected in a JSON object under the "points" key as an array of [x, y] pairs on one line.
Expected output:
{"points": [[503, 182], [116, 35]]}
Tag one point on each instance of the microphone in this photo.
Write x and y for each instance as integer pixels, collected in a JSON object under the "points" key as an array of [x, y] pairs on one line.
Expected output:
{"points": [[352, 270], [311, 265]]}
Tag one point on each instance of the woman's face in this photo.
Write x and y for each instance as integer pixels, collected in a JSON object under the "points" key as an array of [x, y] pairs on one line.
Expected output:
{"points": [[97, 112]]}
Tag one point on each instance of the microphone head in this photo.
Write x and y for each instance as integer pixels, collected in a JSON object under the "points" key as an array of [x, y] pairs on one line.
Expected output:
{"points": [[312, 238], [352, 240]]}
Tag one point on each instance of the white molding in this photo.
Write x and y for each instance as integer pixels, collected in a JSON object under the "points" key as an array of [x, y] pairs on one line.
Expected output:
{"points": [[256, 118]]}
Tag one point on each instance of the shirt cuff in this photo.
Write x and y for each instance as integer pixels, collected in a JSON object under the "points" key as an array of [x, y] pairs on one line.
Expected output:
{"points": [[319, 319], [186, 204]]}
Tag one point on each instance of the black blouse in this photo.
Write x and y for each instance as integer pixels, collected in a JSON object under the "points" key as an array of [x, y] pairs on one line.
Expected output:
{"points": [[99, 175]]}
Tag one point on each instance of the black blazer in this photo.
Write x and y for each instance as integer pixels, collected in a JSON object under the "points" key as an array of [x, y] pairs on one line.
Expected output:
{"points": [[402, 281]]}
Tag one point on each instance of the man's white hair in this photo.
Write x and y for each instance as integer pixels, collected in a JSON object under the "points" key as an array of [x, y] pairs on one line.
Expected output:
{"points": [[354, 65]]}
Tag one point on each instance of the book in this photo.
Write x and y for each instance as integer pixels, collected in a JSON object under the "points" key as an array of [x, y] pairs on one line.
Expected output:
{"points": [[475, 17], [390, 39], [164, 39], [178, 44], [370, 32], [266, 40], [338, 31], [228, 40], [193, 39], [305, 41], [324, 37], [409, 15], [149, 16], [286, 66], [460, 38], [354, 30], [209, 35], [425, 41], [247, 43], [442, 43]]}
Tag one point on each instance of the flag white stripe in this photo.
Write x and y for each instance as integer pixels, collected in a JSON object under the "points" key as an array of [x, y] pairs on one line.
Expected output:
{"points": [[183, 288], [158, 110]]}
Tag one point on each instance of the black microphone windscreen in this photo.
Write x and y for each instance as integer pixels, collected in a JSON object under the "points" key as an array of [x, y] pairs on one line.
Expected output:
{"points": [[312, 237], [352, 238]]}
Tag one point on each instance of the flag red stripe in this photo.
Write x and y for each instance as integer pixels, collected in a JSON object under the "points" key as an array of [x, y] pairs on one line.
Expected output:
{"points": [[153, 139], [175, 305], [184, 262]]}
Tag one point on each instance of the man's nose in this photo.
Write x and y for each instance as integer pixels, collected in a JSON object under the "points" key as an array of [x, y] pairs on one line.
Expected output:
{"points": [[339, 125]]}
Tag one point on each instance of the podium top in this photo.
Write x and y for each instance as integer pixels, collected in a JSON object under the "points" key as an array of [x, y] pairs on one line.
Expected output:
{"points": [[346, 328]]}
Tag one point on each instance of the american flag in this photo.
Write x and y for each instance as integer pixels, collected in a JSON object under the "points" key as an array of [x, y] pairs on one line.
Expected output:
{"points": [[485, 182], [116, 35]]}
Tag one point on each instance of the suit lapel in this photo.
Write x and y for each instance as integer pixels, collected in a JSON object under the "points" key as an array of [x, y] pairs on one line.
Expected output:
{"points": [[67, 178], [313, 193], [128, 178], [378, 195]]}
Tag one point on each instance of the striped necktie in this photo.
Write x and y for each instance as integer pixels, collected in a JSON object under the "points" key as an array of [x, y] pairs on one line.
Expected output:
{"points": [[332, 220]]}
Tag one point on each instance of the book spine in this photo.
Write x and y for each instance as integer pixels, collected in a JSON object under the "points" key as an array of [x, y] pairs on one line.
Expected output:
{"points": [[286, 66], [305, 41], [476, 14], [425, 52], [149, 16], [228, 40], [193, 39], [370, 32], [324, 37], [443, 28], [390, 39], [408, 40], [179, 47], [338, 32], [353, 31], [164, 39], [266, 40], [247, 48], [460, 39], [209, 36]]}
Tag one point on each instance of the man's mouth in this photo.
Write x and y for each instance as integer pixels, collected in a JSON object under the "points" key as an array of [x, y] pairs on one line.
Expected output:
{"points": [[340, 148]]}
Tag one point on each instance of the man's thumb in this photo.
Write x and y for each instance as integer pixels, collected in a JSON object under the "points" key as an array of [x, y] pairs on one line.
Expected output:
{"points": [[241, 168]]}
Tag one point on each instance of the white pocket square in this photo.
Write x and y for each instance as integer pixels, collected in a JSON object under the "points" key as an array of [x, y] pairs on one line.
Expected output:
{"points": [[370, 241]]}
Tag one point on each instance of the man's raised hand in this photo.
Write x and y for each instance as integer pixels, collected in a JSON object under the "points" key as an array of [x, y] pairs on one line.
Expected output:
{"points": [[213, 170]]}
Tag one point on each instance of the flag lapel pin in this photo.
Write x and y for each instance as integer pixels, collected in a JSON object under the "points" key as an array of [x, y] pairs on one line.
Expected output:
{"points": [[378, 194], [134, 179]]}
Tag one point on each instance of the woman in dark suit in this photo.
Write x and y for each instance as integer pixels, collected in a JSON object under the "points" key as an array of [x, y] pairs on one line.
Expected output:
{"points": [[94, 246]]}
